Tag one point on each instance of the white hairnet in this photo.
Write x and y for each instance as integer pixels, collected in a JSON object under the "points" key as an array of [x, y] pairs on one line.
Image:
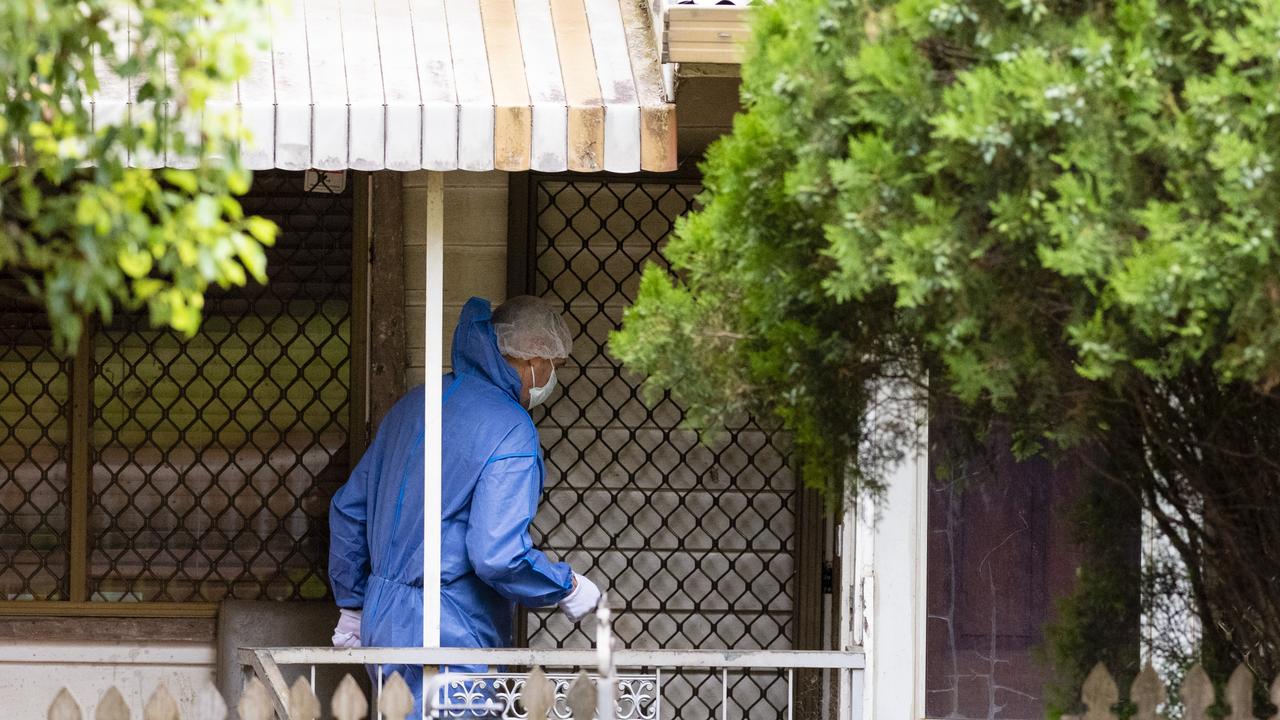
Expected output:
{"points": [[530, 327]]}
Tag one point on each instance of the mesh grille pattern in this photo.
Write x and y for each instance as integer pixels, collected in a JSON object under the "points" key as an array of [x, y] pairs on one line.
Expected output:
{"points": [[694, 543], [33, 461], [215, 458]]}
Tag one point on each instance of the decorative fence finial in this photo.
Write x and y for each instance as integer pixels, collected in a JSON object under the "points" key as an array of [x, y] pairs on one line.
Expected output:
{"points": [[303, 703], [396, 699], [1148, 693], [112, 706], [349, 703], [1197, 694], [1275, 697], [161, 706], [209, 704], [582, 697], [255, 703], [539, 695], [64, 707], [1239, 694], [1099, 694]]}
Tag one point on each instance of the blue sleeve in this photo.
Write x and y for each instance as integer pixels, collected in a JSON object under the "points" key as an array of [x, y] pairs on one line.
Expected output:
{"points": [[498, 542], [348, 538]]}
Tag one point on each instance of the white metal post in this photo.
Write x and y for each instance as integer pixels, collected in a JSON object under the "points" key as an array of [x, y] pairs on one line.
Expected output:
{"points": [[891, 560], [433, 366], [605, 708], [850, 613]]}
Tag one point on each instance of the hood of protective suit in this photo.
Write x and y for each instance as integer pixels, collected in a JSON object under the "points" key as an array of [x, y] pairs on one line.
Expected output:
{"points": [[475, 349]]}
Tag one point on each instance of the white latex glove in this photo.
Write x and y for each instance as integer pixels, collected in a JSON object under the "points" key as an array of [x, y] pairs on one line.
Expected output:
{"points": [[582, 599], [347, 632]]}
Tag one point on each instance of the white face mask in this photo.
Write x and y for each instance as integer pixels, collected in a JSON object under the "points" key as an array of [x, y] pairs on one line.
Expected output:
{"points": [[539, 395]]}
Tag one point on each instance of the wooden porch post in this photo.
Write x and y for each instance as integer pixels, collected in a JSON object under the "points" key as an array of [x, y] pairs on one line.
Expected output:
{"points": [[807, 614], [80, 465], [361, 242], [377, 304]]}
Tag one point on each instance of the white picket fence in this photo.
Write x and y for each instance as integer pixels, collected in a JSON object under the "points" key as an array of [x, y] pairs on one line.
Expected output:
{"points": [[395, 702], [1100, 694]]}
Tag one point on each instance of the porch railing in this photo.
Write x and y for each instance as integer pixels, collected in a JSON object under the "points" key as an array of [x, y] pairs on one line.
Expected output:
{"points": [[602, 672]]}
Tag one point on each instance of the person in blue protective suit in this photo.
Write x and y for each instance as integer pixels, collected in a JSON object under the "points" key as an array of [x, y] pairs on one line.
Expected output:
{"points": [[504, 364]]}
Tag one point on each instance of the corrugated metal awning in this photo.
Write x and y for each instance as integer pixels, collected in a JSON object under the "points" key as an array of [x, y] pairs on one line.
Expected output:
{"points": [[547, 85]]}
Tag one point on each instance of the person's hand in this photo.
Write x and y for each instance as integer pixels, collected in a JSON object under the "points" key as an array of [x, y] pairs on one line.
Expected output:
{"points": [[582, 599], [346, 634]]}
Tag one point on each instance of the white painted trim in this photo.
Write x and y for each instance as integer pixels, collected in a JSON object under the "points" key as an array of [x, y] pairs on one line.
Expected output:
{"points": [[257, 110], [559, 657], [56, 653], [110, 106], [330, 114], [850, 606], [292, 77], [890, 583], [366, 77], [921, 519], [472, 83], [400, 84], [439, 111], [433, 362], [617, 87], [549, 149]]}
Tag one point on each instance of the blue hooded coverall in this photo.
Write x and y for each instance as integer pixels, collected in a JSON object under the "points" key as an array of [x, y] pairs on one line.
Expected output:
{"points": [[492, 480]]}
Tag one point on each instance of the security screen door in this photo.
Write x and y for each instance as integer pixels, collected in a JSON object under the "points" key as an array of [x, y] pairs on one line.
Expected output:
{"points": [[694, 544]]}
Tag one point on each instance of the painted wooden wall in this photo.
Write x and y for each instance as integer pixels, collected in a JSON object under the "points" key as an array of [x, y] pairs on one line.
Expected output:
{"points": [[704, 111], [475, 252]]}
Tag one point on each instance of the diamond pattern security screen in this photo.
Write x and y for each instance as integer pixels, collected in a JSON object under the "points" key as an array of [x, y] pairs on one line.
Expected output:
{"points": [[694, 544], [215, 458], [33, 461], [212, 460]]}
